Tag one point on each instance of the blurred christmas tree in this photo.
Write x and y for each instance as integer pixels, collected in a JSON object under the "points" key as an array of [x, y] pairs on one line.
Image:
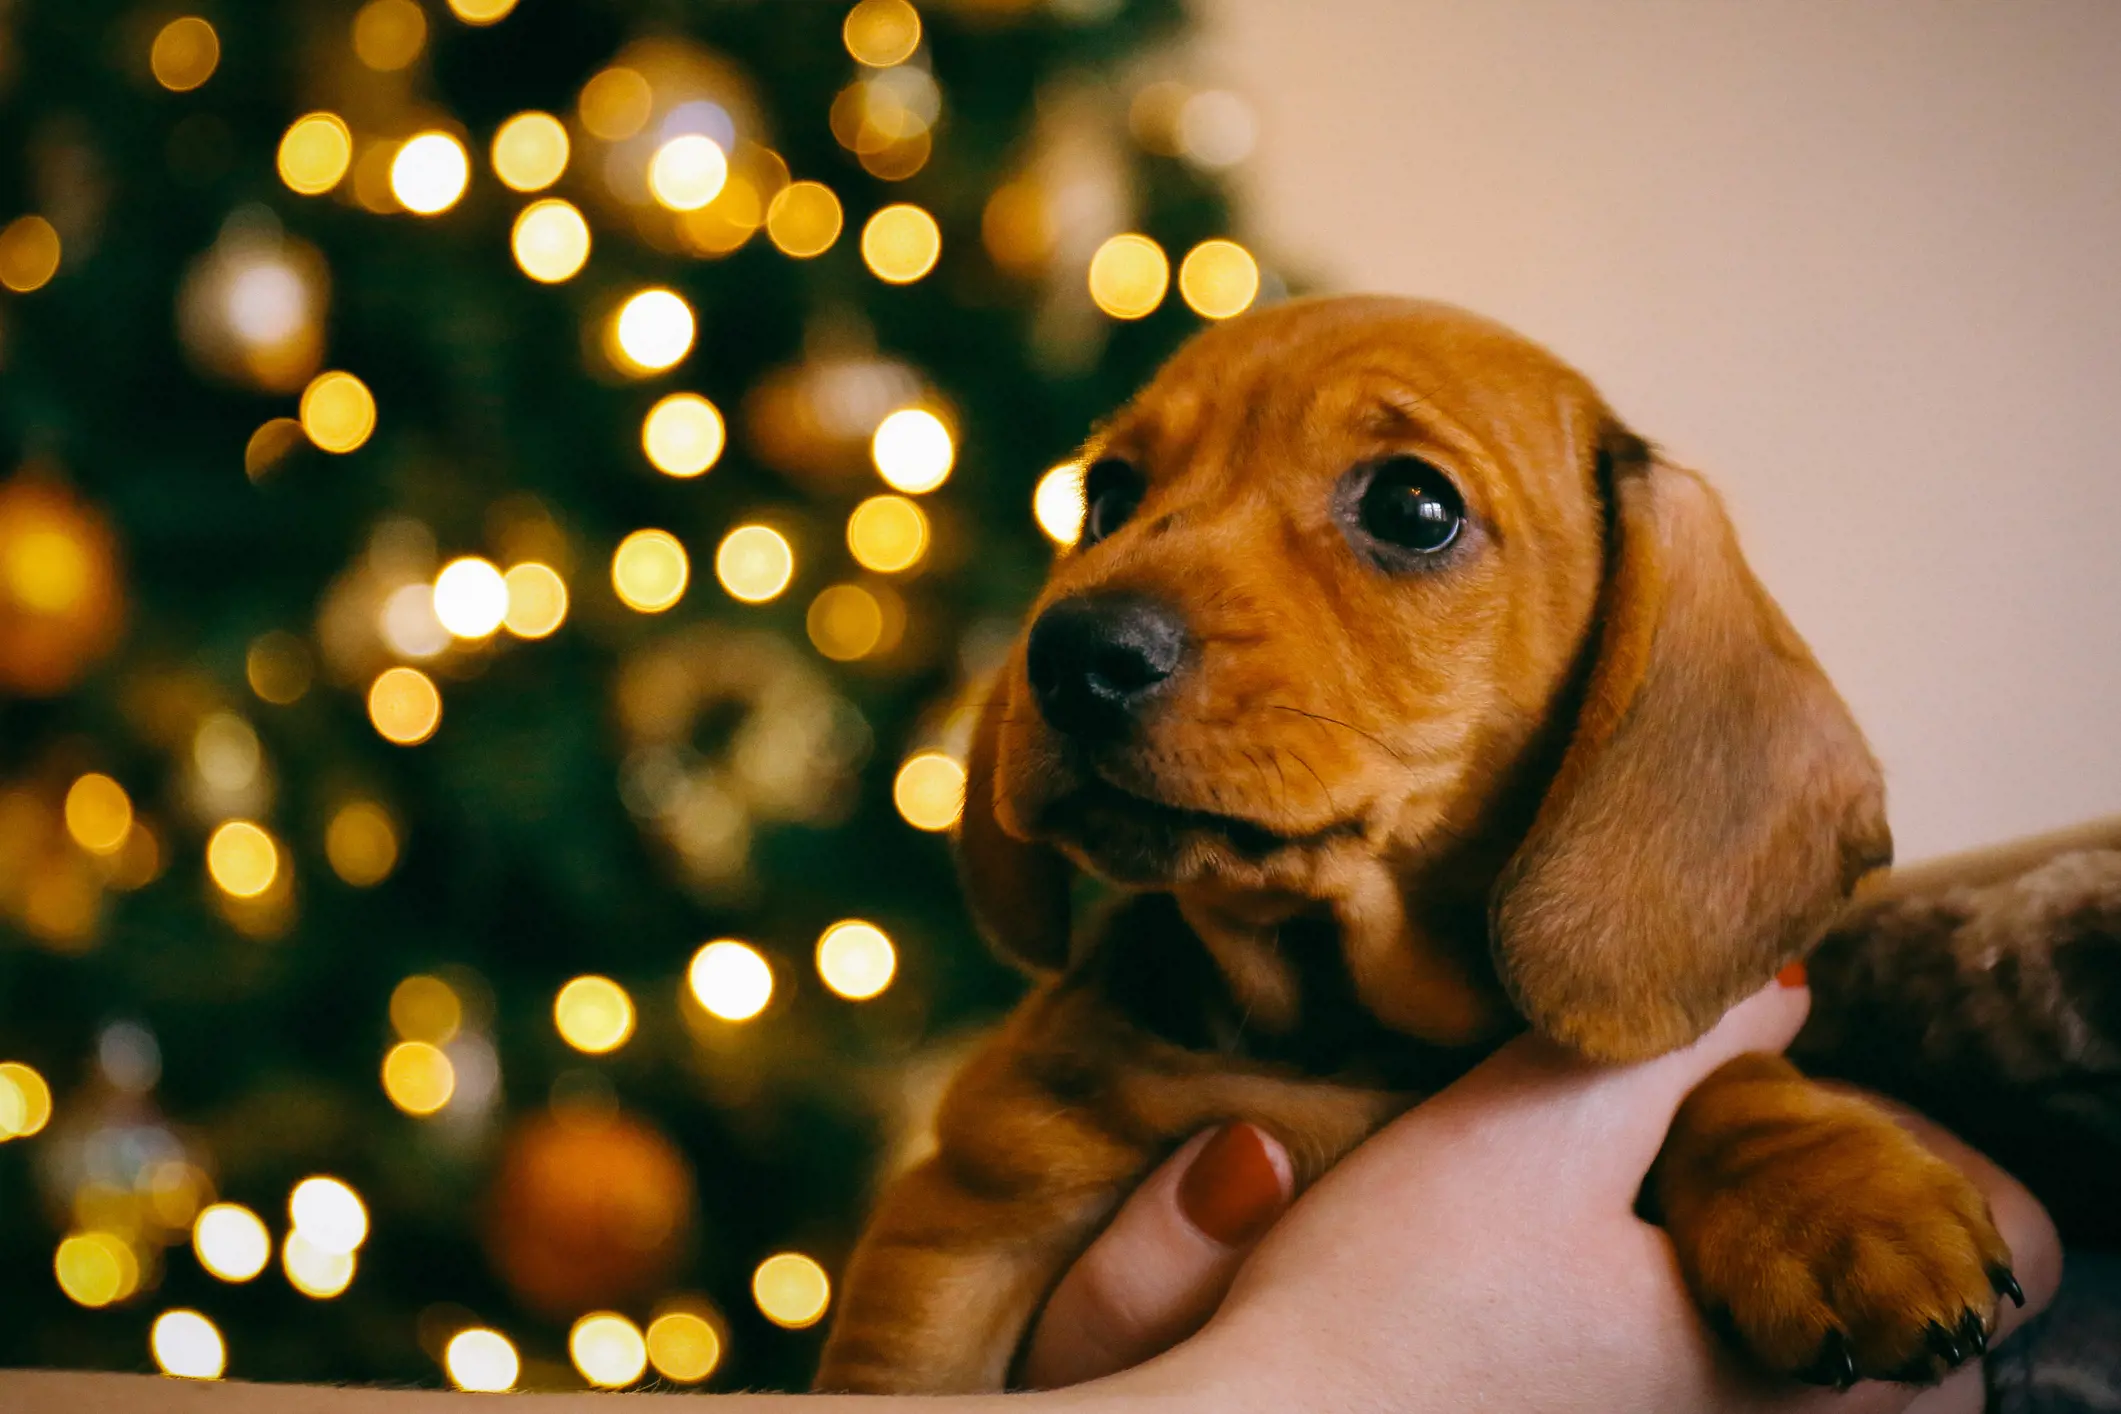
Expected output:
{"points": [[445, 581]]}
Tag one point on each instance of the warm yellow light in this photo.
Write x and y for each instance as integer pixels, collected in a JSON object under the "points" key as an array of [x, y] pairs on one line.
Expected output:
{"points": [[225, 752], [731, 980], [389, 34], [845, 622], [881, 33], [471, 598], [25, 1101], [615, 104], [912, 450], [29, 253], [430, 173], [361, 843], [315, 152], [887, 534], [594, 1015], [683, 435], [754, 563], [338, 412], [1057, 503], [608, 1349], [185, 54], [856, 959], [791, 1289], [314, 1272], [804, 219], [418, 1077], [901, 243], [650, 571], [530, 151], [404, 706], [537, 600], [550, 241], [242, 859], [481, 12], [278, 667], [329, 1215], [186, 1344], [929, 790], [653, 330], [1128, 276], [687, 172], [1218, 279], [482, 1361], [96, 1268], [231, 1242], [684, 1347], [99, 813], [426, 1009]]}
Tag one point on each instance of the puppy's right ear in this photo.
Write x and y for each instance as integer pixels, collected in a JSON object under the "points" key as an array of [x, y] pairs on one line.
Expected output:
{"points": [[1018, 889]]}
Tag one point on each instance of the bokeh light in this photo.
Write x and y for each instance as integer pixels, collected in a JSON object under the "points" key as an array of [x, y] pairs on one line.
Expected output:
{"points": [[338, 412], [186, 1344], [929, 790], [913, 450], [315, 152], [404, 706], [361, 843], [1057, 503], [530, 150], [482, 1361], [242, 859], [856, 960], [96, 1268], [684, 1346], [316, 1273], [792, 1290], [99, 814], [330, 1216], [230, 1241], [537, 600], [481, 12], [615, 104], [653, 330], [593, 1014], [845, 622], [424, 1008], [278, 667], [185, 54], [901, 243], [269, 446], [887, 534], [730, 980], [25, 1101], [1218, 279], [649, 571], [550, 241], [1215, 129], [418, 1077], [29, 253], [1128, 276], [607, 1349], [226, 753], [430, 172], [687, 172], [409, 626], [389, 34], [881, 33], [470, 597], [683, 435], [754, 563], [804, 219]]}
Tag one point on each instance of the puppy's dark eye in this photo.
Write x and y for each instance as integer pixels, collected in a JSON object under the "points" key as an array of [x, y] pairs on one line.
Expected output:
{"points": [[1412, 505], [1111, 491]]}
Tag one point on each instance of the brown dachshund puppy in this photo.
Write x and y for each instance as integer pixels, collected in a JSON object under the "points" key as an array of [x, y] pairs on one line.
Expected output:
{"points": [[1409, 699]]}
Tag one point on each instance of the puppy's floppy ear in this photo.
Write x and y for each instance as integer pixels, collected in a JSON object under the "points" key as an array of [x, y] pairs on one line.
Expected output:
{"points": [[1715, 805], [1018, 890]]}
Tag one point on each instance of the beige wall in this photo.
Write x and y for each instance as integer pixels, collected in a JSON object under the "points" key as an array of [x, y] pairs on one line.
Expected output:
{"points": [[1860, 260]]}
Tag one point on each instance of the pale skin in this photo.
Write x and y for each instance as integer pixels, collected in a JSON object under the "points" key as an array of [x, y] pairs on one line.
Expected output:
{"points": [[1482, 1251]]}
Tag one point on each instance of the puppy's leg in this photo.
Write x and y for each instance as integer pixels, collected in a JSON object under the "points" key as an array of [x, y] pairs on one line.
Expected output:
{"points": [[1823, 1235]]}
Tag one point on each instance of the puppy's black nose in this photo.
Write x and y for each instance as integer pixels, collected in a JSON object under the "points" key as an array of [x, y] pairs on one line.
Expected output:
{"points": [[1096, 663]]}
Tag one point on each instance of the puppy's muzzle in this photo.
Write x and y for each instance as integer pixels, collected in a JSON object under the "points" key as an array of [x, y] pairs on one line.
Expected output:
{"points": [[1097, 665]]}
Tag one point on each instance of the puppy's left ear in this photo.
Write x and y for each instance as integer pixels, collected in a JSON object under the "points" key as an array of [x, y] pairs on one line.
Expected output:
{"points": [[1018, 890], [1715, 806]]}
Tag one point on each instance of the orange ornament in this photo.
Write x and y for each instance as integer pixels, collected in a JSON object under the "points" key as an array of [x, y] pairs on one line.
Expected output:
{"points": [[587, 1210], [62, 605]]}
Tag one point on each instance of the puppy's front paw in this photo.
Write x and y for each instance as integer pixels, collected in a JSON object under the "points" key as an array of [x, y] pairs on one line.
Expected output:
{"points": [[1826, 1239]]}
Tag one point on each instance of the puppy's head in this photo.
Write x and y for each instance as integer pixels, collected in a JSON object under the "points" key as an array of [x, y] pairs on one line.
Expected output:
{"points": [[1375, 599]]}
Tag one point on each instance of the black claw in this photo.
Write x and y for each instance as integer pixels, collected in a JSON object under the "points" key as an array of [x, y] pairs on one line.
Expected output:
{"points": [[1835, 1365], [1972, 1333], [1943, 1343], [2006, 1285]]}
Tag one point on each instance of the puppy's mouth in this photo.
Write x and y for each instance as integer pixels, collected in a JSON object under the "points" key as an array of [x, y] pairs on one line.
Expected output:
{"points": [[1139, 839]]}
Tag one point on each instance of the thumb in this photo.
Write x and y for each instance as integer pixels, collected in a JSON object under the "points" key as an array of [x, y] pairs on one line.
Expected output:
{"points": [[1159, 1271]]}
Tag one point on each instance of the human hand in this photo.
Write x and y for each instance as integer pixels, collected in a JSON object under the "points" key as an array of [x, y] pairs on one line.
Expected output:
{"points": [[1481, 1249]]}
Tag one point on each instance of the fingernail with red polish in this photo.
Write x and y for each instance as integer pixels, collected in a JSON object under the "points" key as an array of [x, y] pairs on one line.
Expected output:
{"points": [[1233, 1192], [1793, 975]]}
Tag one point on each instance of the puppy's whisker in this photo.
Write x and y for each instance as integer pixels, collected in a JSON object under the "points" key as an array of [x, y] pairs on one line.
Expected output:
{"points": [[1370, 737]]}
